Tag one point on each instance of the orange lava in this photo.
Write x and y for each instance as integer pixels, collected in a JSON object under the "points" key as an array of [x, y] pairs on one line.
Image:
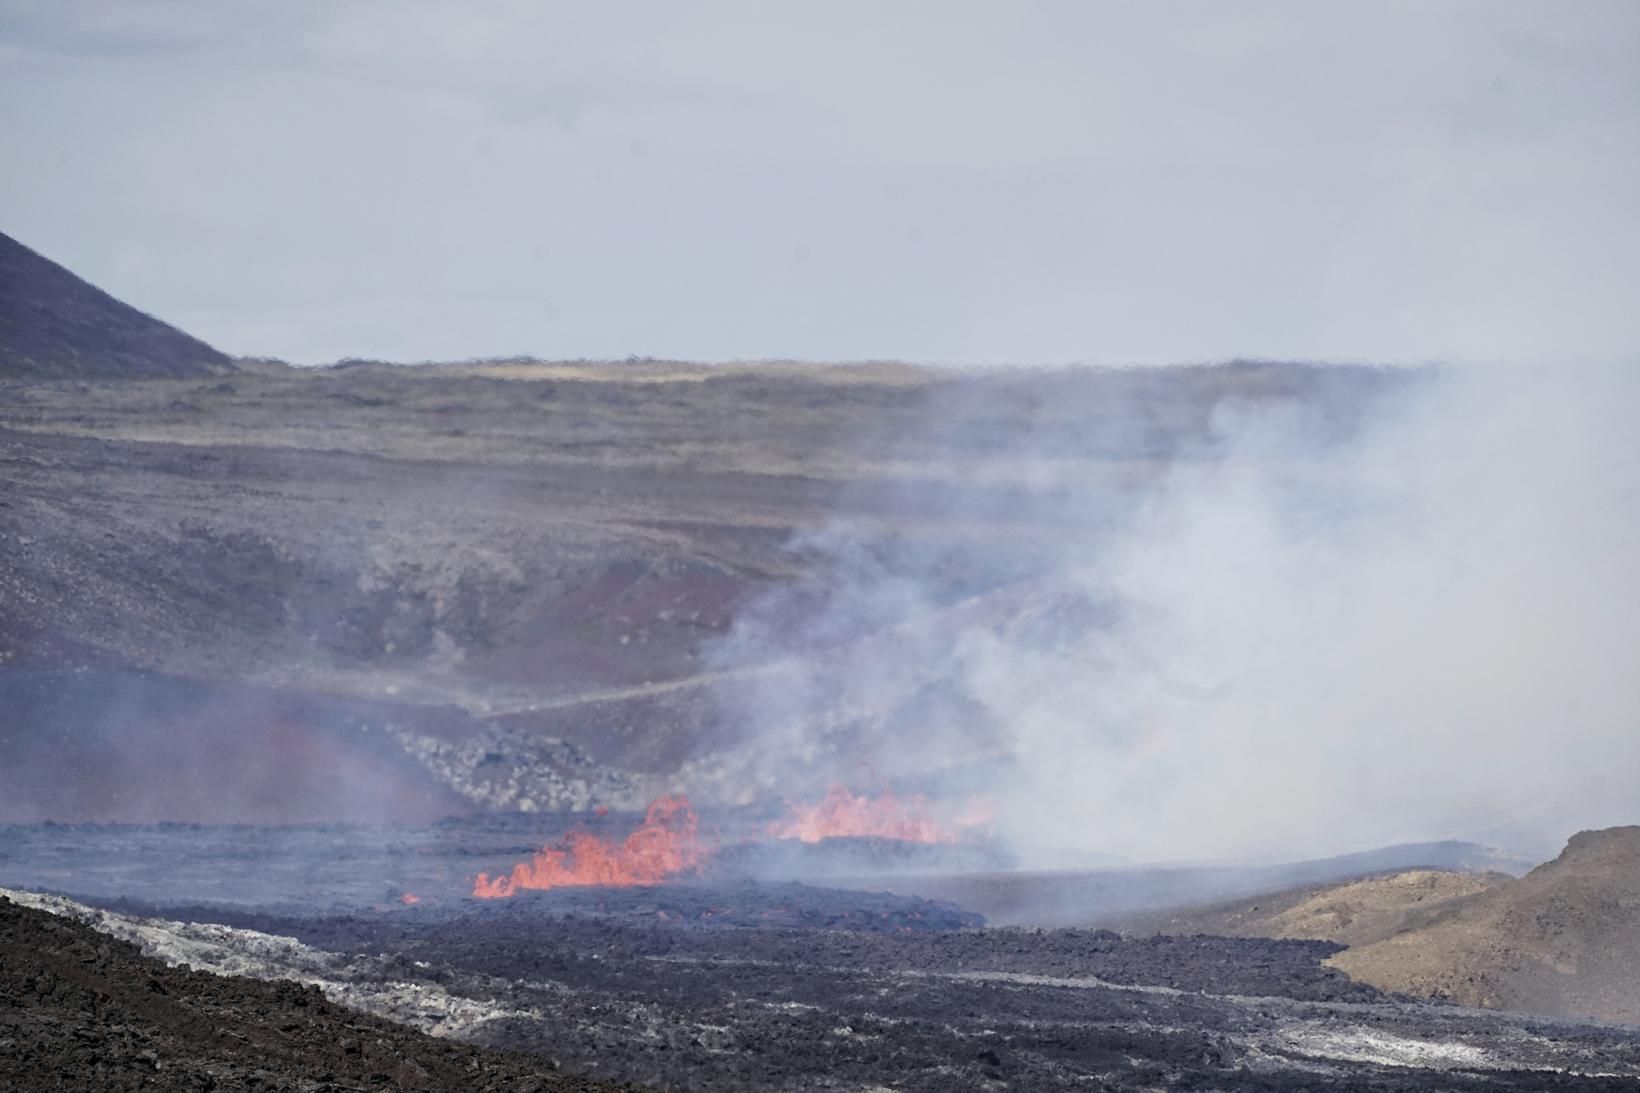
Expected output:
{"points": [[666, 844], [842, 814], [409, 899]]}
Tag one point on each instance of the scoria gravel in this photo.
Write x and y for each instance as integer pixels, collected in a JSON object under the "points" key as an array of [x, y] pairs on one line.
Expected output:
{"points": [[81, 1011]]}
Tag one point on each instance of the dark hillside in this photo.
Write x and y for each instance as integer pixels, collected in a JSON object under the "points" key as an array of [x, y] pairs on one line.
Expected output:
{"points": [[53, 325]]}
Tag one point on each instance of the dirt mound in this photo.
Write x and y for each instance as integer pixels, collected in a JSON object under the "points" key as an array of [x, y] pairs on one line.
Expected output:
{"points": [[79, 1010], [1354, 913], [1179, 899], [1562, 940], [53, 325]]}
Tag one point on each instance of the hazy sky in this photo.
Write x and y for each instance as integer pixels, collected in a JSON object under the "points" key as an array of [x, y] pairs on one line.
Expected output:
{"points": [[940, 181]]}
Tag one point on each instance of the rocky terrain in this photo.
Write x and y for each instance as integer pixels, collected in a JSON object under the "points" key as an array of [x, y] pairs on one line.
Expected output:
{"points": [[609, 989], [80, 1010]]}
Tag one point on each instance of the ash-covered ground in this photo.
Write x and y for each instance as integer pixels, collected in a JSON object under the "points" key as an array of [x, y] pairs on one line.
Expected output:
{"points": [[809, 988]]}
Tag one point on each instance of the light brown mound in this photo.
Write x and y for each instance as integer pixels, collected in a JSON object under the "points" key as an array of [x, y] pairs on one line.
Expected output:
{"points": [[1563, 940], [1357, 912]]}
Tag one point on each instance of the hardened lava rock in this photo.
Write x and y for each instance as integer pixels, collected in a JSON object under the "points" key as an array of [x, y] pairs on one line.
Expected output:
{"points": [[82, 1011]]}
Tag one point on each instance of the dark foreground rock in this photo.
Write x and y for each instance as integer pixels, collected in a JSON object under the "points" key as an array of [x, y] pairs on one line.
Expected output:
{"points": [[82, 1011], [621, 992]]}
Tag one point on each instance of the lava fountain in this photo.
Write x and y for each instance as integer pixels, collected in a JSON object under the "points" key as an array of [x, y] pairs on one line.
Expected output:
{"points": [[844, 814], [665, 844]]}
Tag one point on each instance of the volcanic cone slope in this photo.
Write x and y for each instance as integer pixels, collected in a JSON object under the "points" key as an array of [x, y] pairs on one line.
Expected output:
{"points": [[54, 325]]}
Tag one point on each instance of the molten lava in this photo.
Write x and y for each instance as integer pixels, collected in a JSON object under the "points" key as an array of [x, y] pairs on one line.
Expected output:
{"points": [[842, 814], [666, 844]]}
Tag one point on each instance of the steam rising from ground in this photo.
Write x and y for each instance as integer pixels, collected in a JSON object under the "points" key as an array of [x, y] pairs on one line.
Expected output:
{"points": [[1295, 639]]}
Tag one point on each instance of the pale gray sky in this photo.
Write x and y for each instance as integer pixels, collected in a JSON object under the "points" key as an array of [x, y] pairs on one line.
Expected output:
{"points": [[950, 180]]}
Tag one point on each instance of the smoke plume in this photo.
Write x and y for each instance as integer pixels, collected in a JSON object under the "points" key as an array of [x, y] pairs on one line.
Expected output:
{"points": [[1295, 631]]}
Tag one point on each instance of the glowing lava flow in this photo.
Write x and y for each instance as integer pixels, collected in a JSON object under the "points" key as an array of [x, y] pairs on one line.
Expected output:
{"points": [[842, 814], [667, 843]]}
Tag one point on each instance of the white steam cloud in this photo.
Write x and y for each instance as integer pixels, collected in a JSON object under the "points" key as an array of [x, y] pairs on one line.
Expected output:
{"points": [[1298, 640]]}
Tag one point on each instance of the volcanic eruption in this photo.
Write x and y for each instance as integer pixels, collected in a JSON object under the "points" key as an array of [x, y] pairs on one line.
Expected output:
{"points": [[665, 844], [844, 814], [668, 843]]}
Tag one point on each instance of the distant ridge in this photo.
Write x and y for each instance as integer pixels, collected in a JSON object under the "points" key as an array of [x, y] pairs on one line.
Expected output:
{"points": [[54, 325]]}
